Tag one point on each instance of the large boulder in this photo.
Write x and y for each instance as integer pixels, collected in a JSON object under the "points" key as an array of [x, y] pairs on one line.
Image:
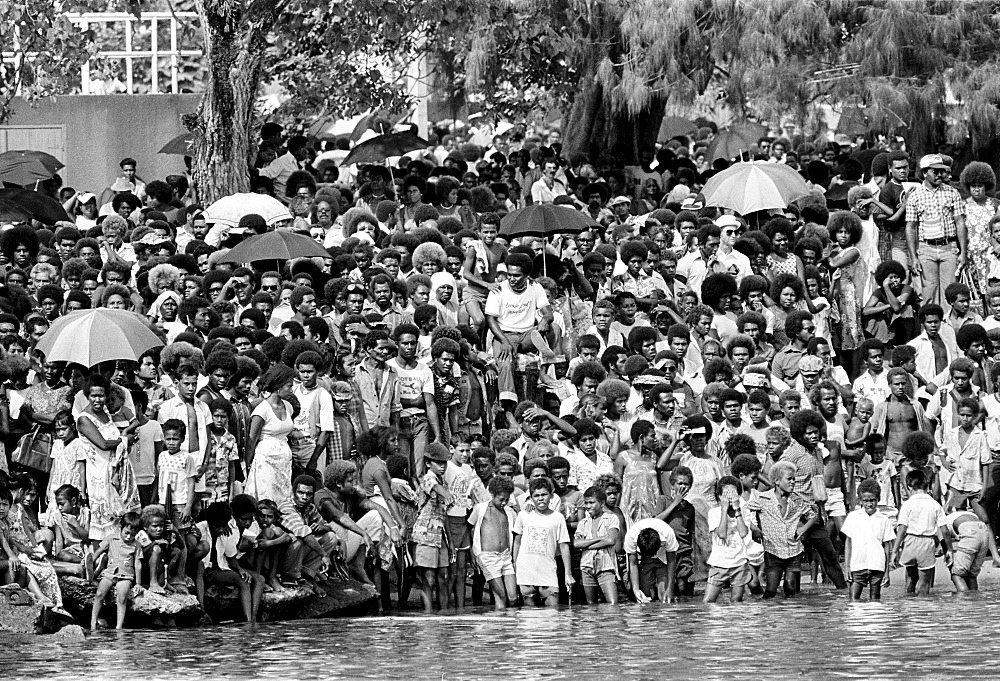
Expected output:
{"points": [[20, 614], [342, 598], [146, 609]]}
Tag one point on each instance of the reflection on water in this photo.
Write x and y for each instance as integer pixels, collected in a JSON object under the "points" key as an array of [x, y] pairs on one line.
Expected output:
{"points": [[819, 635]]}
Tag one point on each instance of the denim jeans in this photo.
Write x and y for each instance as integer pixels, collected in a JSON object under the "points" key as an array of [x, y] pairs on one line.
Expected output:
{"points": [[938, 264], [413, 433]]}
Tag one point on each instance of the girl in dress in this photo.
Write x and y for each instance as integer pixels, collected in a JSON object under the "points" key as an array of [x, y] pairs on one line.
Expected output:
{"points": [[269, 457], [637, 470], [66, 467]]}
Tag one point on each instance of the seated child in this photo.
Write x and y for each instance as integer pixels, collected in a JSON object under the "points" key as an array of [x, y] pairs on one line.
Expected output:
{"points": [[219, 538], [727, 562], [538, 535], [124, 565], [492, 540], [651, 547], [972, 541], [918, 532], [162, 552], [597, 535], [680, 515], [31, 570], [71, 523], [271, 544], [868, 541]]}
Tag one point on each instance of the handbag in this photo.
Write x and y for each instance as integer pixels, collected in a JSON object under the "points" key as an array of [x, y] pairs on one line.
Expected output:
{"points": [[34, 451]]}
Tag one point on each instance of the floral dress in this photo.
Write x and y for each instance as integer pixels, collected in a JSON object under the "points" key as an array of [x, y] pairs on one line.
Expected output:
{"points": [[977, 220], [640, 487], [270, 475], [24, 546], [111, 486], [706, 471], [849, 284]]}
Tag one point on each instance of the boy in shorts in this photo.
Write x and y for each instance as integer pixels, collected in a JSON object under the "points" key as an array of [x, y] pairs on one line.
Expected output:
{"points": [[538, 535], [597, 535], [177, 472], [869, 535], [727, 562], [433, 550], [651, 548], [973, 541], [459, 478], [492, 539], [680, 515], [918, 530]]}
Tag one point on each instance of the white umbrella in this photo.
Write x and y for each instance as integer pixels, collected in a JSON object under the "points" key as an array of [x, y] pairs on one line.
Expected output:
{"points": [[229, 209], [89, 337]]}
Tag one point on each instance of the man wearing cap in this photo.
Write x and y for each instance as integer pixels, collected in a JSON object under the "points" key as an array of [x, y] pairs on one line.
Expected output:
{"points": [[548, 186], [730, 260], [935, 230]]}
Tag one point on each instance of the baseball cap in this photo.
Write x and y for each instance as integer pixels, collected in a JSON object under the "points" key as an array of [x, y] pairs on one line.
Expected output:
{"points": [[933, 161], [619, 200], [88, 197]]}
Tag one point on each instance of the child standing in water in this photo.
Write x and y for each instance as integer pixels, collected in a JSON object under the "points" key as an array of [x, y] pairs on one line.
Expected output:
{"points": [[492, 540], [124, 565], [538, 535], [869, 535], [918, 532], [728, 560]]}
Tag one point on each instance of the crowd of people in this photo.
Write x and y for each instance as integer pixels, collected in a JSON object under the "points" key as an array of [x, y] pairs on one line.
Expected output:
{"points": [[678, 395]]}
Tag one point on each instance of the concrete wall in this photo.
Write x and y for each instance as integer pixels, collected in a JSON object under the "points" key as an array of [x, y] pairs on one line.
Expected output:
{"points": [[97, 131]]}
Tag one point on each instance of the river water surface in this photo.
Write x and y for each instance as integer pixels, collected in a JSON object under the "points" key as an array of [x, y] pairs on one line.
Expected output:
{"points": [[817, 635]]}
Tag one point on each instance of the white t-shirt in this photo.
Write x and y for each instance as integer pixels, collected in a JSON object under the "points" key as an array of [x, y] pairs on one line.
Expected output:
{"points": [[541, 534], [143, 454], [225, 545], [724, 326], [516, 312], [458, 480], [306, 399], [729, 552], [668, 540], [177, 471], [867, 533], [413, 383]]}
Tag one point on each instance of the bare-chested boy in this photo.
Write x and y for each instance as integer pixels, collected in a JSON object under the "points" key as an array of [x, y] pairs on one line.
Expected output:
{"points": [[898, 416], [492, 539]]}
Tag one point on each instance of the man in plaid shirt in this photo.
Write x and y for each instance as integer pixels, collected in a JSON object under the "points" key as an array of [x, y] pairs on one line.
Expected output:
{"points": [[935, 230]]}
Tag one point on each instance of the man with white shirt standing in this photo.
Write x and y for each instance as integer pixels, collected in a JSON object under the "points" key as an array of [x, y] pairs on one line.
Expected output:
{"points": [[731, 261], [548, 186], [281, 168]]}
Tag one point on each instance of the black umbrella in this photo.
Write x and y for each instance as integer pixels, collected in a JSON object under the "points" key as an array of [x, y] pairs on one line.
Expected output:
{"points": [[378, 149], [50, 162], [544, 220], [11, 214], [182, 145], [41, 207]]}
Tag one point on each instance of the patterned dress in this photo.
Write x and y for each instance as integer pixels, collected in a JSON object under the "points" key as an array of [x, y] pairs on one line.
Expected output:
{"points": [[977, 220], [848, 291], [270, 475], [111, 488], [640, 487]]}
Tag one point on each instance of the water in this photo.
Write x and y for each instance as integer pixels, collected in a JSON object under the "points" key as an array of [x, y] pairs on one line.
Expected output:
{"points": [[818, 635]]}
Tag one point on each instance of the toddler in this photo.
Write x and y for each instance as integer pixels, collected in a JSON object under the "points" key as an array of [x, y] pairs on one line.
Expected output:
{"points": [[124, 566]]}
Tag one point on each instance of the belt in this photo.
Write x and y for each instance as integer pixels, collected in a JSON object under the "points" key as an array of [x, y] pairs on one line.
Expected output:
{"points": [[939, 242]]}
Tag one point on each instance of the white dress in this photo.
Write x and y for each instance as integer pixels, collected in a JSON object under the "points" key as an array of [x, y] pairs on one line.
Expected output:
{"points": [[270, 475]]}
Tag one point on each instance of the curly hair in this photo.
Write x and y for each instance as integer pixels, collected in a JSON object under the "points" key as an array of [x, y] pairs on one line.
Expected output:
{"points": [[978, 173], [355, 216], [740, 341], [337, 472], [801, 420], [753, 283], [888, 267], [632, 249], [782, 225], [429, 252], [717, 287], [177, 352], [697, 312], [845, 219], [164, 277], [787, 280], [918, 446], [614, 389]]}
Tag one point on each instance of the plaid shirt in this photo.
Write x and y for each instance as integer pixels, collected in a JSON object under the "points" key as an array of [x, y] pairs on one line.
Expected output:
{"points": [[342, 439], [943, 204], [807, 466], [778, 529]]}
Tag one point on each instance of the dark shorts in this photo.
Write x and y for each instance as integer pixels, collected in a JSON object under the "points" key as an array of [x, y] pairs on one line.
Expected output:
{"points": [[651, 571], [867, 577], [460, 534], [685, 565], [782, 565]]}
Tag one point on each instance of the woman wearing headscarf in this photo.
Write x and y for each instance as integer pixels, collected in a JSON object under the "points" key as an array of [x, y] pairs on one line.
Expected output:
{"points": [[268, 456], [163, 312], [444, 298]]}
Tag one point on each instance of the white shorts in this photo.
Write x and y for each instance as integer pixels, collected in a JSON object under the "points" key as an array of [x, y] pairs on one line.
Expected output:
{"points": [[495, 565], [835, 507]]}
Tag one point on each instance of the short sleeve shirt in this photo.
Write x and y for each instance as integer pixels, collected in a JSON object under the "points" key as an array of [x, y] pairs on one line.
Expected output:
{"points": [[413, 383], [516, 312]]}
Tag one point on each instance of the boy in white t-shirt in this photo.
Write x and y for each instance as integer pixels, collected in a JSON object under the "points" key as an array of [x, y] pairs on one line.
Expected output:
{"points": [[176, 476], [727, 562], [818, 305], [458, 480], [869, 536], [538, 534], [883, 471]]}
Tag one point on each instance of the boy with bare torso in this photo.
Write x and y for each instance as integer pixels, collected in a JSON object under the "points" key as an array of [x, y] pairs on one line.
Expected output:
{"points": [[492, 539]]}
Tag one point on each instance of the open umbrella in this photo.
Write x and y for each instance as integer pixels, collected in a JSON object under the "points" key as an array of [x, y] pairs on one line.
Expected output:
{"points": [[182, 145], [749, 187], [229, 209], [377, 149], [544, 220], [11, 214], [736, 140], [41, 207], [675, 126], [280, 244], [24, 172], [89, 337], [50, 162]]}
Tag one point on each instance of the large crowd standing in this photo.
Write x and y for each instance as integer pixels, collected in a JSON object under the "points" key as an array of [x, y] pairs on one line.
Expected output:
{"points": [[676, 395]]}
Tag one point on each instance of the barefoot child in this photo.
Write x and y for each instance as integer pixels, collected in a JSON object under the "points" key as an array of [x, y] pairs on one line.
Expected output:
{"points": [[124, 564], [177, 472], [538, 535], [860, 427], [71, 522], [597, 535], [680, 515], [17, 561], [161, 558], [271, 543], [728, 560], [882, 470], [966, 456], [869, 538], [433, 551], [918, 531], [972, 542], [492, 539], [459, 478], [746, 468]]}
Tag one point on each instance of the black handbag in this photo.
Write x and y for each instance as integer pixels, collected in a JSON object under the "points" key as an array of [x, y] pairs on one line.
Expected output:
{"points": [[34, 451]]}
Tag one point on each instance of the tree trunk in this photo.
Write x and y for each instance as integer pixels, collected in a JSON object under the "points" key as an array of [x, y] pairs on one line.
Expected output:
{"points": [[235, 32]]}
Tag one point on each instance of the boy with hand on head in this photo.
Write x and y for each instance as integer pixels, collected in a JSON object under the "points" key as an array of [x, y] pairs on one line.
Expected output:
{"points": [[538, 535], [597, 535], [492, 539], [680, 515], [869, 535], [918, 531], [727, 562]]}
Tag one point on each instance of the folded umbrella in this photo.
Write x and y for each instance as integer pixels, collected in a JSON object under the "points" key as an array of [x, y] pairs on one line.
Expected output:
{"points": [[89, 337], [230, 209], [544, 220], [749, 187], [378, 149], [41, 207], [280, 244]]}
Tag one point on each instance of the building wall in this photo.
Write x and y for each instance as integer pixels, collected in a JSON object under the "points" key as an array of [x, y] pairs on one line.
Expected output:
{"points": [[92, 133]]}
